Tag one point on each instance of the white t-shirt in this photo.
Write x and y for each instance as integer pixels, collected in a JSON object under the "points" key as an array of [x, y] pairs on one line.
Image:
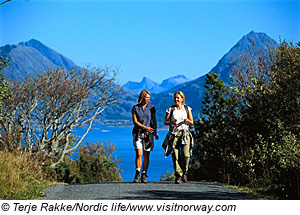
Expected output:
{"points": [[179, 115]]}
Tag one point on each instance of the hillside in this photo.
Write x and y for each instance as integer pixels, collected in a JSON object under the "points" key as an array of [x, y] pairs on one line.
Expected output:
{"points": [[30, 57], [194, 90]]}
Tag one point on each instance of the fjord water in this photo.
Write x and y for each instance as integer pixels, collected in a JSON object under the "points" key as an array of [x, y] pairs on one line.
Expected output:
{"points": [[122, 138]]}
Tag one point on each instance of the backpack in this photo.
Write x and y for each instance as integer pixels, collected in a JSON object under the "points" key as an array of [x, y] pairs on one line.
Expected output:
{"points": [[185, 107]]}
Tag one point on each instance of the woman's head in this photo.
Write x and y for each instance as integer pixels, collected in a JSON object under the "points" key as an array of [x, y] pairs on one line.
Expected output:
{"points": [[179, 98], [144, 96]]}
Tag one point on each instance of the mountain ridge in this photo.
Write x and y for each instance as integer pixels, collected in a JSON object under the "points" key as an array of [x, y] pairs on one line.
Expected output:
{"points": [[33, 56], [194, 90], [145, 84], [154, 87], [55, 57]]}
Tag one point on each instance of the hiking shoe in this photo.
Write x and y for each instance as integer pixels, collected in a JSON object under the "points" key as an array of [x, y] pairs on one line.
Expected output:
{"points": [[137, 177], [184, 178], [178, 180], [144, 176]]}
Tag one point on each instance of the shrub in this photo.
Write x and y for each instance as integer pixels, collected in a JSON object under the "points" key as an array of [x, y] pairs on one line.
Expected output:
{"points": [[95, 164], [21, 176], [168, 176], [249, 135]]}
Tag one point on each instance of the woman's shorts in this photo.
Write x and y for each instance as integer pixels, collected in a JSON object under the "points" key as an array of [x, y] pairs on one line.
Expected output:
{"points": [[139, 143]]}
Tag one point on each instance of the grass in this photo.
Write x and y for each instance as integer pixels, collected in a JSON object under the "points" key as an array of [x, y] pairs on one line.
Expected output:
{"points": [[21, 177], [260, 193]]}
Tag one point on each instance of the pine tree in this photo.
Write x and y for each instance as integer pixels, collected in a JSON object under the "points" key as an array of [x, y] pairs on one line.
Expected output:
{"points": [[214, 131]]}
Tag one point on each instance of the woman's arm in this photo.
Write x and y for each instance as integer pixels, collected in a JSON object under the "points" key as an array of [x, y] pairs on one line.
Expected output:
{"points": [[167, 117], [154, 125], [190, 119], [168, 122], [137, 123]]}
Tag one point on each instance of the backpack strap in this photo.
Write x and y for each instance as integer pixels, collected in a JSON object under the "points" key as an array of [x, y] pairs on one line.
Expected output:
{"points": [[186, 110], [185, 107], [172, 110]]}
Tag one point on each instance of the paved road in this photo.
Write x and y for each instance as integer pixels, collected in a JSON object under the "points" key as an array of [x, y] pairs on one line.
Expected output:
{"points": [[151, 191]]}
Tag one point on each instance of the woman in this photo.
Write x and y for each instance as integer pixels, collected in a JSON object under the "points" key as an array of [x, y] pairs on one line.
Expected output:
{"points": [[144, 130], [179, 140]]}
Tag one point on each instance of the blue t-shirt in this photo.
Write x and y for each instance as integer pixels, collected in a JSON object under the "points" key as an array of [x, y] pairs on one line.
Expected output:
{"points": [[143, 116]]}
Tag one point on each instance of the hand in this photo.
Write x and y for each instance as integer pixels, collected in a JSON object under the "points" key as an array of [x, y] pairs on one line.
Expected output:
{"points": [[149, 129], [173, 122], [156, 136], [187, 121]]}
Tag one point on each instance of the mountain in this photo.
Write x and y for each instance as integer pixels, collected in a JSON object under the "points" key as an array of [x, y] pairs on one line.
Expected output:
{"points": [[145, 84], [173, 81], [259, 40], [50, 54], [154, 87], [169, 83], [194, 90], [31, 57]]}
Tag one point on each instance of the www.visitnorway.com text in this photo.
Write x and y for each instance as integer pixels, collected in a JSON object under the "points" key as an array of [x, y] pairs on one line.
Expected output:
{"points": [[119, 207]]}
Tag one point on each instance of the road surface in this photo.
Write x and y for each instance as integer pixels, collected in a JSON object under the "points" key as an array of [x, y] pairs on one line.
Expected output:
{"points": [[157, 190]]}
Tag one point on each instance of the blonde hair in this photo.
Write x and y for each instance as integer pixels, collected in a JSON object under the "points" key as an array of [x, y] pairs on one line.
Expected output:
{"points": [[142, 95], [182, 96]]}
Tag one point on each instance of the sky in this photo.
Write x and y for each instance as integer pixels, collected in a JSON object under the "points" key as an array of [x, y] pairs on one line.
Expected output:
{"points": [[154, 39]]}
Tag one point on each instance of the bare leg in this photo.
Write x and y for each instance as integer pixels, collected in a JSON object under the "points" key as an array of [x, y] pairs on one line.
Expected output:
{"points": [[145, 166], [138, 163], [146, 160], [138, 158]]}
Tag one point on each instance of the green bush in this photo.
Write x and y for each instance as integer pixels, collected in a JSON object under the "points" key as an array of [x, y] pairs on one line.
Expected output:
{"points": [[95, 164], [250, 133]]}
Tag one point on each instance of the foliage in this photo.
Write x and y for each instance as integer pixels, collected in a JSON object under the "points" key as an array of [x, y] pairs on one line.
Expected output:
{"points": [[36, 123], [21, 176], [43, 109], [213, 132], [95, 164], [24, 176], [4, 92], [168, 176], [250, 132]]}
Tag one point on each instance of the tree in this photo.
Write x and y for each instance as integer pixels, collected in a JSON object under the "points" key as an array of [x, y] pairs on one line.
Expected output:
{"points": [[267, 85], [250, 131], [285, 92], [4, 93], [44, 109], [9, 1], [214, 132]]}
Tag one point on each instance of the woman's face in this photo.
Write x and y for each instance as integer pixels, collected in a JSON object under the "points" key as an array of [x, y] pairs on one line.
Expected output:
{"points": [[147, 99], [178, 99]]}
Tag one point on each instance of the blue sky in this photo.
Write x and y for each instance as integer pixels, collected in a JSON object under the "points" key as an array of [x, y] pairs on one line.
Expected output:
{"points": [[156, 39]]}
